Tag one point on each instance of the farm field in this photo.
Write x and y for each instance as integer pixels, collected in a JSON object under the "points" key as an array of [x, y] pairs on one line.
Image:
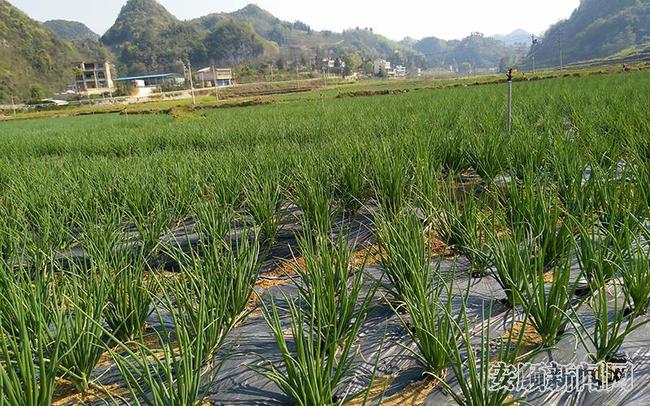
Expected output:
{"points": [[394, 249], [292, 91]]}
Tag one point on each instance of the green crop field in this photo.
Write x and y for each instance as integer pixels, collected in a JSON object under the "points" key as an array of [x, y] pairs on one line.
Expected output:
{"points": [[348, 234]]}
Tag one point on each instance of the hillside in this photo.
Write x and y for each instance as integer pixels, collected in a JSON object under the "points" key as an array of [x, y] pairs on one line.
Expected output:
{"points": [[83, 38], [264, 22], [596, 29], [148, 38], [515, 37], [138, 18], [31, 55], [475, 52], [71, 30], [296, 40], [254, 34]]}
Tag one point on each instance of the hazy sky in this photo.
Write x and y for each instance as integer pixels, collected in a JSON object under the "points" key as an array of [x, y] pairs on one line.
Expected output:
{"points": [[447, 19]]}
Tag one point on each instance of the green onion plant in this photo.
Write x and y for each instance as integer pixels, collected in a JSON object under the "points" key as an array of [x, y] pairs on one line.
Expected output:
{"points": [[324, 322], [129, 295]]}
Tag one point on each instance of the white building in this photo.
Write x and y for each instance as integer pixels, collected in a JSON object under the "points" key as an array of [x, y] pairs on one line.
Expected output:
{"points": [[210, 77], [400, 71], [93, 78], [328, 63], [382, 66], [385, 69]]}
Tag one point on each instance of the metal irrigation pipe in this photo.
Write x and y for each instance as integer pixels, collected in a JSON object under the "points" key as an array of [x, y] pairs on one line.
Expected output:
{"points": [[510, 74]]}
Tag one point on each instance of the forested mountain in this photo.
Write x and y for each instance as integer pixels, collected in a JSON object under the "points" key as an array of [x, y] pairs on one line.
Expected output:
{"points": [[596, 29], [33, 59], [475, 52], [83, 38], [147, 38], [71, 30], [139, 18], [514, 38], [297, 41]]}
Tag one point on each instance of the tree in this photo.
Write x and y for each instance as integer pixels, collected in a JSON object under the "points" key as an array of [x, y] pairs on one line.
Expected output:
{"points": [[278, 34], [596, 29], [369, 68], [504, 64], [231, 43], [299, 25], [352, 62], [465, 68], [36, 93]]}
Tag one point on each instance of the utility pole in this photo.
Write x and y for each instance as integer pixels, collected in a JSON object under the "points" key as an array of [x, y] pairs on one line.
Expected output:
{"points": [[13, 104], [533, 63], [532, 47], [559, 40], [216, 84], [189, 68]]}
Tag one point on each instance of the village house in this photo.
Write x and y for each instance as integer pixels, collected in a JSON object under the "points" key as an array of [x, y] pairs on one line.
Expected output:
{"points": [[211, 77], [93, 78]]}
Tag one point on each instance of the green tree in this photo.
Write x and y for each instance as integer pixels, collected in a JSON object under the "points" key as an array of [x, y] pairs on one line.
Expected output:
{"points": [[504, 64], [278, 34], [232, 43], [352, 62], [596, 29], [368, 68], [36, 93], [465, 68]]}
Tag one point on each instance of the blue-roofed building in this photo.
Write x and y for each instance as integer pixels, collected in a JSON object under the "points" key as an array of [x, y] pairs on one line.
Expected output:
{"points": [[154, 79], [145, 85]]}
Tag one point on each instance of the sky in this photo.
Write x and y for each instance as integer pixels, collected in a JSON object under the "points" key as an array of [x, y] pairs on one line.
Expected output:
{"points": [[451, 19]]}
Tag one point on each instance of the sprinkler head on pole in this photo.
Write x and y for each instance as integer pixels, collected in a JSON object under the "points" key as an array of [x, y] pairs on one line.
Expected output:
{"points": [[511, 73]]}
